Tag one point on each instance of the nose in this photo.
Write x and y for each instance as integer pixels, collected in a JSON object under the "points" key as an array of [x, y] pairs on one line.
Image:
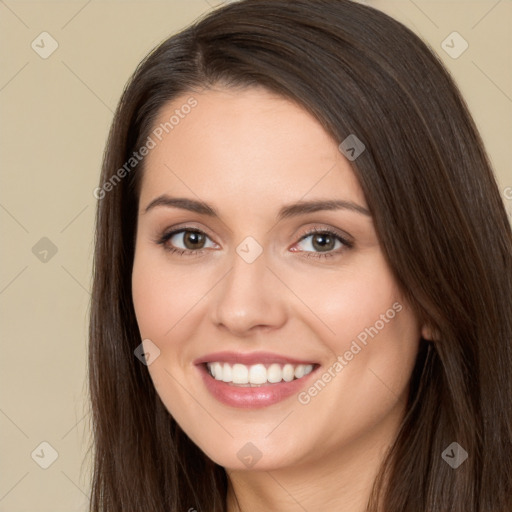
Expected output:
{"points": [[249, 298]]}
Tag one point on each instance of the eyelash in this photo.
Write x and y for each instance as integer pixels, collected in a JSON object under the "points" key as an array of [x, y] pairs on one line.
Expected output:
{"points": [[309, 254]]}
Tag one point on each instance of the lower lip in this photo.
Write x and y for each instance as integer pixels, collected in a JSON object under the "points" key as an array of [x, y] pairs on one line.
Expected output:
{"points": [[252, 397]]}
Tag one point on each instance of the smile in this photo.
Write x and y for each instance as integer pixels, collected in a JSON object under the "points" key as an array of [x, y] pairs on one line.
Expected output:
{"points": [[254, 380], [257, 374]]}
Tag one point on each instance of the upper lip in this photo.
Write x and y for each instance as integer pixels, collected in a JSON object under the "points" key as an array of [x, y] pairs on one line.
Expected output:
{"points": [[249, 358]]}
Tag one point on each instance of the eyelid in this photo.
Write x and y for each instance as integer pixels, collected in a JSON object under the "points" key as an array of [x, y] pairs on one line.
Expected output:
{"points": [[167, 234], [182, 227], [345, 237]]}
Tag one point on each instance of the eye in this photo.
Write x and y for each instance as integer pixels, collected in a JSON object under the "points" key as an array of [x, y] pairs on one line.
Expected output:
{"points": [[191, 240], [324, 241]]}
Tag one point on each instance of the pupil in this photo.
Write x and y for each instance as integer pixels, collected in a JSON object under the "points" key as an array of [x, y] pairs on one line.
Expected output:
{"points": [[325, 240], [193, 238]]}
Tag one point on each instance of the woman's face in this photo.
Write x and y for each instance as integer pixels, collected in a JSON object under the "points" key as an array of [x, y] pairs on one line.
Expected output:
{"points": [[253, 292]]}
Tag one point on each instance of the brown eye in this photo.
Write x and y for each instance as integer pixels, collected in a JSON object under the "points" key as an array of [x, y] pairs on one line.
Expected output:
{"points": [[185, 241], [322, 243], [193, 240]]}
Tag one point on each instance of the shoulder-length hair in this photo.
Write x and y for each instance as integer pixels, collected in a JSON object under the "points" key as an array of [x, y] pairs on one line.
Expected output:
{"points": [[438, 213]]}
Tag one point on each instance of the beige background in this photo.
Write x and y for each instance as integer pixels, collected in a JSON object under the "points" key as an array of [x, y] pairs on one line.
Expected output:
{"points": [[55, 117]]}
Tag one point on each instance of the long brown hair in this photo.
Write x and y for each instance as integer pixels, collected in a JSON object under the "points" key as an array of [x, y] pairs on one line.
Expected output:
{"points": [[438, 213]]}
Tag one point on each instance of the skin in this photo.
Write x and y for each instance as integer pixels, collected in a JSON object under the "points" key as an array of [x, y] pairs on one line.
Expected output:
{"points": [[248, 153]]}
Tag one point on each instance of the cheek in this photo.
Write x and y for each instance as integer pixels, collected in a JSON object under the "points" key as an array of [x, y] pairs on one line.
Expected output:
{"points": [[377, 332], [150, 300], [163, 301], [350, 300], [372, 336], [163, 295]]}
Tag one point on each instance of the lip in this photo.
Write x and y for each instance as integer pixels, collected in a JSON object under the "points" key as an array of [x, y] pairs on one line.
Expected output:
{"points": [[249, 358], [252, 397]]}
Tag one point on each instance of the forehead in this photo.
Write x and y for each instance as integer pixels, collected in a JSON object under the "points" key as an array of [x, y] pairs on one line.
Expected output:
{"points": [[242, 145]]}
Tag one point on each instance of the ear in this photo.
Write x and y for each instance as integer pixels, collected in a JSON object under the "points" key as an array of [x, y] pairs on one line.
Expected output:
{"points": [[427, 332]]}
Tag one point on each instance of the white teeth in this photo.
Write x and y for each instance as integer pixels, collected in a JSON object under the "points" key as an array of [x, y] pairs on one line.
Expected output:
{"points": [[217, 371], [288, 372], [299, 371], [274, 373], [258, 374], [240, 374], [227, 374]]}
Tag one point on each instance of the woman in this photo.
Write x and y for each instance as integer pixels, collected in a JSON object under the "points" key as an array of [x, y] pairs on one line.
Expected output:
{"points": [[302, 283]]}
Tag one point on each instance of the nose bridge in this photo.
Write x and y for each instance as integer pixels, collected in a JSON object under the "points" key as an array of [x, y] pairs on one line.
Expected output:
{"points": [[247, 295]]}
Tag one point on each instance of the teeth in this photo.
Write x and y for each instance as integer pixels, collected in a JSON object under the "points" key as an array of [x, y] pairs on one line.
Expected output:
{"points": [[217, 371], [299, 371], [257, 374], [274, 373], [227, 374], [288, 372], [240, 374]]}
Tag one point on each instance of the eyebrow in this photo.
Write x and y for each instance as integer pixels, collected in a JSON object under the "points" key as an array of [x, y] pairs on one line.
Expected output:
{"points": [[287, 211]]}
